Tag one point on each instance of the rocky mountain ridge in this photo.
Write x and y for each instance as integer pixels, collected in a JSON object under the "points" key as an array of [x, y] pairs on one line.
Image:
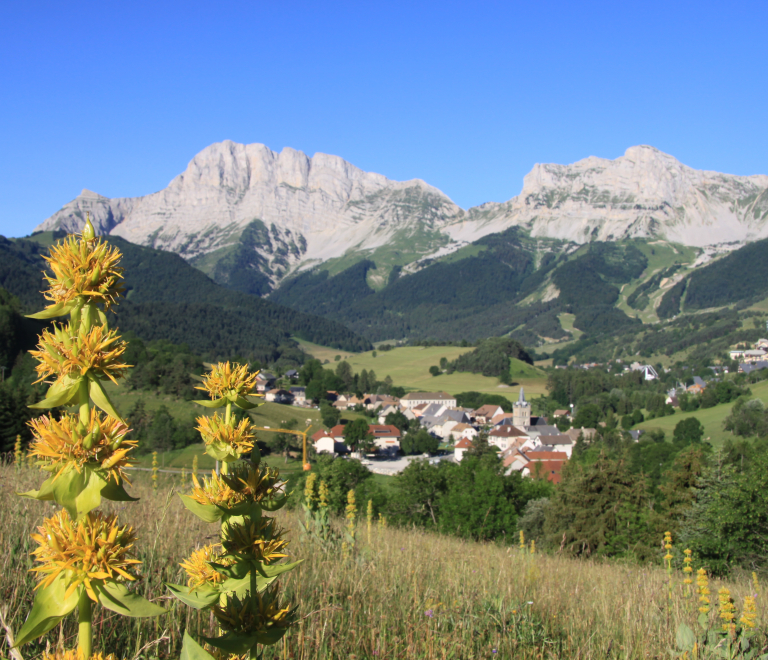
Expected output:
{"points": [[309, 210]]}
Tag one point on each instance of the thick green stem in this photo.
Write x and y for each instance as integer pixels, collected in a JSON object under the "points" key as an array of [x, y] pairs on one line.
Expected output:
{"points": [[84, 629], [228, 413], [85, 402]]}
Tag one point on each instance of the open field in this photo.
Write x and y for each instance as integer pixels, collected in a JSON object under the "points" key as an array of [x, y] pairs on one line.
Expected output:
{"points": [[409, 366], [711, 418], [404, 595]]}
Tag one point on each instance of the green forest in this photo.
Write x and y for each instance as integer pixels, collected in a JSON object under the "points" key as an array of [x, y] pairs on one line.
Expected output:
{"points": [[163, 292]]}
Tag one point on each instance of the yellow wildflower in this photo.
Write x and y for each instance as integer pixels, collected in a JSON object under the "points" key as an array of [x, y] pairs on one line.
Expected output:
{"points": [[63, 353], [64, 442], [198, 568], [749, 613], [75, 654], [92, 548], [727, 609], [259, 539], [228, 379], [224, 436], [246, 616], [702, 587]]}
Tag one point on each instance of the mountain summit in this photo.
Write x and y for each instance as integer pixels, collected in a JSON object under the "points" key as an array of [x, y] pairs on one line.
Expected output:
{"points": [[273, 213]]}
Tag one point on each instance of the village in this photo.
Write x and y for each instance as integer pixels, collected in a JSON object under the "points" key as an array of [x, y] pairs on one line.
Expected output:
{"points": [[526, 443], [531, 445]]}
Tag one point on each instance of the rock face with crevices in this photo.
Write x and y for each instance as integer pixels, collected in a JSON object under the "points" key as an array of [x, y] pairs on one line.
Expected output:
{"points": [[310, 210]]}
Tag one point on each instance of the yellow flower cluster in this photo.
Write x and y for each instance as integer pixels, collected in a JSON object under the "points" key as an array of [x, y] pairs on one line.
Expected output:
{"points": [[222, 435], [702, 588], [74, 654], [687, 568], [749, 613], [68, 441], [243, 484], [63, 353], [259, 539], [668, 547], [309, 490], [323, 494], [92, 548], [727, 609], [198, 568], [226, 378], [241, 616], [86, 268]]}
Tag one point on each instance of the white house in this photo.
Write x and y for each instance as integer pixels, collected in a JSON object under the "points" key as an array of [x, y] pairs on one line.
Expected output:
{"points": [[460, 447], [505, 436], [416, 398]]}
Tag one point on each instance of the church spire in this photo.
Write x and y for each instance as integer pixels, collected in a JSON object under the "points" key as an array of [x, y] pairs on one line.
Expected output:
{"points": [[521, 398]]}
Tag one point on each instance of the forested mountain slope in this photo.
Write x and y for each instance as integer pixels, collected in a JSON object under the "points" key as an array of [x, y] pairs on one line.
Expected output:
{"points": [[166, 298]]}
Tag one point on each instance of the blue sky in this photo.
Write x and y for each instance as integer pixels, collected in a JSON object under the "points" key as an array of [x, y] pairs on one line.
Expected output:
{"points": [[118, 97]]}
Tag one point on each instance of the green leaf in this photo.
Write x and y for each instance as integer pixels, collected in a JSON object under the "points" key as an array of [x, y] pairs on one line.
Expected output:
{"points": [[44, 494], [223, 454], [239, 512], [239, 586], [276, 569], [206, 512], [685, 638], [191, 650], [242, 402], [100, 398], [199, 598], [216, 403], [115, 492], [236, 571], [58, 394], [59, 309], [116, 597], [233, 642], [78, 492], [50, 607], [274, 505]]}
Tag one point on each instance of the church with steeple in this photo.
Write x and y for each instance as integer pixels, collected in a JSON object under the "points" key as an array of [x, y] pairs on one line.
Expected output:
{"points": [[521, 411]]}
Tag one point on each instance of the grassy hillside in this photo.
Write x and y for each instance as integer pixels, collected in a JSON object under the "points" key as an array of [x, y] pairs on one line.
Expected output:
{"points": [[409, 367], [711, 418], [403, 595]]}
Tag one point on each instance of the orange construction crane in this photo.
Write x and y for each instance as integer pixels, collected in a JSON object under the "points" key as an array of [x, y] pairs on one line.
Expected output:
{"points": [[303, 434]]}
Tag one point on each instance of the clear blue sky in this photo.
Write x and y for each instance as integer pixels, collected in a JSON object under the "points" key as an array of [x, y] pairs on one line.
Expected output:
{"points": [[118, 97]]}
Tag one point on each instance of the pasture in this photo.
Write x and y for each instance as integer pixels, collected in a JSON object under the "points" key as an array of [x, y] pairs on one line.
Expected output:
{"points": [[711, 418], [402, 594], [408, 366]]}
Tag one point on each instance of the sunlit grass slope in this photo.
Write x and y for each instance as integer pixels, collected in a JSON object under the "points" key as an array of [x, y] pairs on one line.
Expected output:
{"points": [[409, 366], [711, 418], [402, 595]]}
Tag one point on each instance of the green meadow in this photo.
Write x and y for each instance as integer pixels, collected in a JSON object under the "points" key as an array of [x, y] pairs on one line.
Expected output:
{"points": [[408, 366], [711, 418]]}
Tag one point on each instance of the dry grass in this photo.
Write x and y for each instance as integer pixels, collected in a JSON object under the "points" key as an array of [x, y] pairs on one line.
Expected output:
{"points": [[407, 594]]}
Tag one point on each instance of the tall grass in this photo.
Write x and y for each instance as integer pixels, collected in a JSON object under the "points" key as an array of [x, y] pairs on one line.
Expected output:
{"points": [[407, 594]]}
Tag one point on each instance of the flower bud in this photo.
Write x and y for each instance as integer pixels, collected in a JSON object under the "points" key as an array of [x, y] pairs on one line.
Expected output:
{"points": [[89, 440], [88, 232]]}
